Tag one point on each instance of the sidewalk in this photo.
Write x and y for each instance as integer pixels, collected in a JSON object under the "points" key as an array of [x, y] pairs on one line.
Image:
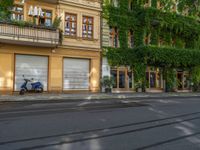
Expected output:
{"points": [[98, 96]]}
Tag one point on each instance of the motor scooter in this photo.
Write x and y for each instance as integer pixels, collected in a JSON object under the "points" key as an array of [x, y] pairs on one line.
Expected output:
{"points": [[36, 87]]}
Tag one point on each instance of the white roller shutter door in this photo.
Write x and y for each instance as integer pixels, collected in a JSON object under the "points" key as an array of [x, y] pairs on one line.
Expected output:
{"points": [[76, 74], [31, 67]]}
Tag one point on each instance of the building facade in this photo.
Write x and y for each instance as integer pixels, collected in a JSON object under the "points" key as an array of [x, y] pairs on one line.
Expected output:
{"points": [[56, 42], [130, 26]]}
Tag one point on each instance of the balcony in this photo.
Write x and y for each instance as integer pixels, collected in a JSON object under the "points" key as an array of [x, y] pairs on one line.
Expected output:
{"points": [[32, 35]]}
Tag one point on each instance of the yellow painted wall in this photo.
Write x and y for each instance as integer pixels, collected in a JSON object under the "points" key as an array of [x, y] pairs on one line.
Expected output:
{"points": [[78, 41], [55, 76], [55, 73], [95, 75], [75, 48], [6, 72]]}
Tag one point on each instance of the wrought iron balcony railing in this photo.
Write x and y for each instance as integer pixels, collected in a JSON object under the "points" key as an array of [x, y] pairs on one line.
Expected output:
{"points": [[32, 35]]}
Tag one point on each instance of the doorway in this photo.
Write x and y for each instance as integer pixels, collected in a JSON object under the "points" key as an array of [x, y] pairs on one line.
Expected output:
{"points": [[183, 80], [123, 79]]}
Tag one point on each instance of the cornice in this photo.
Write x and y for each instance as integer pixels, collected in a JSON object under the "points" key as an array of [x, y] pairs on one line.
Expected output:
{"points": [[87, 4]]}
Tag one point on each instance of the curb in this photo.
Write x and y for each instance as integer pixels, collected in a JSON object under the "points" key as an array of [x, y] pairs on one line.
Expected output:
{"points": [[95, 98]]}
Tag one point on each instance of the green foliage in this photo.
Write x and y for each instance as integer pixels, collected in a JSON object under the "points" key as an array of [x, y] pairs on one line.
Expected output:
{"points": [[170, 76], [154, 56], [180, 36], [5, 7], [139, 75], [196, 78], [56, 22], [107, 82]]}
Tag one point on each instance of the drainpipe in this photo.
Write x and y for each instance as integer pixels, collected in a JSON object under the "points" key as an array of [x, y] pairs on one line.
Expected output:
{"points": [[101, 43]]}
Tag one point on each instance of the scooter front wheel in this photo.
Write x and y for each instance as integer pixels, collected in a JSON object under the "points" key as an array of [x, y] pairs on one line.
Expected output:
{"points": [[22, 92]]}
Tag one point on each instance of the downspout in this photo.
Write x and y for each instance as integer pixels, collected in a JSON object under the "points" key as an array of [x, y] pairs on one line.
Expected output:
{"points": [[101, 43]]}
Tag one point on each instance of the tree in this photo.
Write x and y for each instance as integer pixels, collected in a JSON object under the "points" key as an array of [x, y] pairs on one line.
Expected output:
{"points": [[5, 9]]}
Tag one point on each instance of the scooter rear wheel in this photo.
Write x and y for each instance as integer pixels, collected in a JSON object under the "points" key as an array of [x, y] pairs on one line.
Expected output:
{"points": [[40, 90], [22, 92]]}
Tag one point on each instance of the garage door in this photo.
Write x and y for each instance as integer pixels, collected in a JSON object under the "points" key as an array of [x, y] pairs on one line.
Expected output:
{"points": [[31, 67], [76, 74]]}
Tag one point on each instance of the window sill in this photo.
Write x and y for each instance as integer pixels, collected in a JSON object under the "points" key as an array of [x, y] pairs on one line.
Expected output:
{"points": [[70, 37]]}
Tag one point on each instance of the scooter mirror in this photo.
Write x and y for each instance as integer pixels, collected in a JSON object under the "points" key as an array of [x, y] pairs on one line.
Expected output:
{"points": [[22, 75]]}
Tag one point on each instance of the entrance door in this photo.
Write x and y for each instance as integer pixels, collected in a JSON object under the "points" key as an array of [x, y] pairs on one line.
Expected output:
{"points": [[152, 80], [122, 81], [35, 67], [122, 78], [183, 80], [180, 80]]}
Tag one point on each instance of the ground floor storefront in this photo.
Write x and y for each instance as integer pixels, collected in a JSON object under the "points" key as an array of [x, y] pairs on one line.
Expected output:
{"points": [[58, 69], [124, 79]]}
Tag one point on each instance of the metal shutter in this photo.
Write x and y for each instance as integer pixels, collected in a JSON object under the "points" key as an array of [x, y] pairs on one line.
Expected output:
{"points": [[76, 74], [31, 67]]}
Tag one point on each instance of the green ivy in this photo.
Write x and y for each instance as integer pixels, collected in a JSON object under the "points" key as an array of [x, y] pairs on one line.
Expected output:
{"points": [[180, 36]]}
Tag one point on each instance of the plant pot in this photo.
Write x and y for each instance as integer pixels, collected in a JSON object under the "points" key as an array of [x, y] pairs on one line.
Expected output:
{"points": [[108, 90], [139, 90]]}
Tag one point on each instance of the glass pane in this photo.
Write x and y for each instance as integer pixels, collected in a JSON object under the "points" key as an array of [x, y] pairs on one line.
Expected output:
{"points": [[48, 14], [186, 81], [147, 79], [90, 20], [90, 27], [73, 18], [114, 76], [121, 79], [130, 79], [67, 17], [152, 80], [48, 22], [84, 20], [180, 80]]}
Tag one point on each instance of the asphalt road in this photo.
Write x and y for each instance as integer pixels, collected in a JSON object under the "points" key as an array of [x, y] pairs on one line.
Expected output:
{"points": [[154, 124]]}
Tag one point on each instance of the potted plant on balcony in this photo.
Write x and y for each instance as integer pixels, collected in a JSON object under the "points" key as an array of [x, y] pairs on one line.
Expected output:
{"points": [[107, 82]]}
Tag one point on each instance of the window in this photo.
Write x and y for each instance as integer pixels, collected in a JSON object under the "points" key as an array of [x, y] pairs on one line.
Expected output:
{"points": [[173, 44], [70, 24], [113, 40], [87, 27], [147, 3], [153, 77], [161, 41], [46, 19], [174, 5], [17, 13], [131, 3], [147, 39], [160, 5], [114, 3], [131, 39]]}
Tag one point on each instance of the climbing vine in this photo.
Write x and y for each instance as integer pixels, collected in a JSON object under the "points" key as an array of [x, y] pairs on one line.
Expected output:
{"points": [[174, 37]]}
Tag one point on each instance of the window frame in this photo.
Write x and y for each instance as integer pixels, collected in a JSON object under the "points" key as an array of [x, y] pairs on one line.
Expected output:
{"points": [[131, 39], [17, 13], [45, 17], [70, 32], [87, 27], [114, 37]]}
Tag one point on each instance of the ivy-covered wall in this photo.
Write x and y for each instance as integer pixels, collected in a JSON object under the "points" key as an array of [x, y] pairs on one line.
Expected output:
{"points": [[178, 29]]}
